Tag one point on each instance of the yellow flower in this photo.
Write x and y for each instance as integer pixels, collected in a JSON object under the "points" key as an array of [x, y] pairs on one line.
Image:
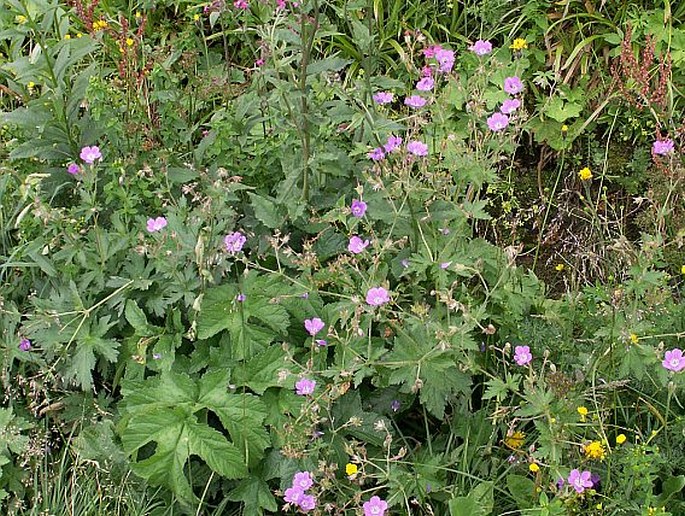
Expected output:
{"points": [[67, 36], [196, 17], [20, 18], [99, 25], [585, 174], [138, 14], [564, 128], [519, 44], [682, 269], [129, 42], [515, 440], [583, 412], [534, 467], [31, 85], [351, 469], [595, 450], [78, 34], [634, 338], [621, 438], [559, 267]]}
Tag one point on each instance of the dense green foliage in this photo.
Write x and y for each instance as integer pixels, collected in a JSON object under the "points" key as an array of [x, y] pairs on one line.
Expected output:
{"points": [[228, 265]]}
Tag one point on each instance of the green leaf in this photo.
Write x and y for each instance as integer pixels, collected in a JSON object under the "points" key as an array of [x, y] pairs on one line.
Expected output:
{"points": [[267, 211], [418, 364], [255, 494], [262, 371], [479, 502], [560, 110], [522, 489], [163, 410], [136, 318]]}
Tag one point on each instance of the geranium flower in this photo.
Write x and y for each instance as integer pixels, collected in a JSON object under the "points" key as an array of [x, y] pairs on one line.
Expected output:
{"points": [[497, 122], [358, 208], [304, 386], [234, 242], [357, 245], [580, 481], [90, 154], [375, 507], [674, 360], [522, 355], [415, 101], [157, 224], [383, 97], [417, 148], [481, 47], [513, 85], [314, 325], [377, 296]]}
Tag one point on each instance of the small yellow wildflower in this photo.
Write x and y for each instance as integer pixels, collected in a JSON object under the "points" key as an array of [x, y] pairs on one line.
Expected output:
{"points": [[78, 34], [515, 440], [682, 269], [534, 467], [351, 469], [621, 438], [31, 85], [196, 17], [519, 44], [634, 338], [595, 450], [564, 128], [67, 36], [129, 42], [20, 18], [99, 25], [559, 267], [585, 174], [583, 412], [138, 14]]}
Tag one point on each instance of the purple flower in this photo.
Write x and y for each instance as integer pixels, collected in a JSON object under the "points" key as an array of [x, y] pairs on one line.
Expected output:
{"points": [[234, 242], [662, 147], [415, 101], [305, 386], [513, 85], [357, 245], [314, 326], [90, 154], [156, 356], [375, 507], [674, 360], [481, 47], [445, 59], [240, 297], [321, 342], [358, 208], [303, 480], [560, 482], [580, 481], [73, 169], [522, 355], [293, 495], [376, 154], [241, 4], [425, 84], [25, 345], [383, 97], [429, 52], [405, 263], [510, 105], [377, 296], [395, 405], [497, 122], [157, 224], [393, 143], [417, 148], [307, 503], [445, 265]]}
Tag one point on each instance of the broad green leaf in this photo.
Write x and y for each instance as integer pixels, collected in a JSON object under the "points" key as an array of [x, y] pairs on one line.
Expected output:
{"points": [[220, 455], [255, 494], [262, 371]]}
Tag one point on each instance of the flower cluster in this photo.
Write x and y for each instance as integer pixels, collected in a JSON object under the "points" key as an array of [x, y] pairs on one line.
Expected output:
{"points": [[297, 493]]}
